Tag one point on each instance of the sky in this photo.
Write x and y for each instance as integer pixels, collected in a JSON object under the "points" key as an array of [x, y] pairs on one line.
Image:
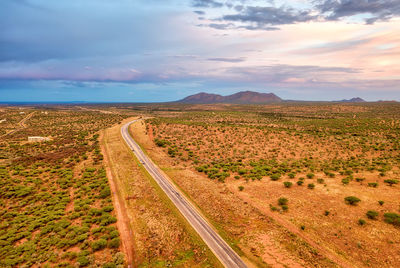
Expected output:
{"points": [[165, 50]]}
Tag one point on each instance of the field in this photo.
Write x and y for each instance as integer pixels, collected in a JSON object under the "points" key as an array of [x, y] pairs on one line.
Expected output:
{"points": [[327, 173], [56, 207], [286, 185]]}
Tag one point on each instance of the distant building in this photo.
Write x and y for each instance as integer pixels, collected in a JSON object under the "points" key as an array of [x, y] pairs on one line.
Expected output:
{"points": [[38, 139]]}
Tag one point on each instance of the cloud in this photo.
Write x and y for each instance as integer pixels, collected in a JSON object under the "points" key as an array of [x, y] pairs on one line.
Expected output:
{"points": [[380, 10], [268, 16], [199, 12], [262, 16], [281, 73], [219, 26], [227, 59], [206, 3]]}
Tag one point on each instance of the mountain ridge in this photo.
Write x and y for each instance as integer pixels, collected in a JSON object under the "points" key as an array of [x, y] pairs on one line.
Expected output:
{"points": [[356, 99], [242, 97]]}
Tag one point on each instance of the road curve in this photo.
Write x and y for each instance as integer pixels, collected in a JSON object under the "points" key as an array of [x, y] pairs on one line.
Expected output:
{"points": [[218, 246], [21, 125]]}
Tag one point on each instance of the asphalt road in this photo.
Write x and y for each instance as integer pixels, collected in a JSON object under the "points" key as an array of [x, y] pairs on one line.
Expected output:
{"points": [[218, 246]]}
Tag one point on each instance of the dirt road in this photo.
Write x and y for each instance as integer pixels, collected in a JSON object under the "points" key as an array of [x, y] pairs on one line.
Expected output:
{"points": [[21, 125]]}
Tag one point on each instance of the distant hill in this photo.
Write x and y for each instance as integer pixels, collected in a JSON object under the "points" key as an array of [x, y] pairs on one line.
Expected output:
{"points": [[357, 99], [243, 97]]}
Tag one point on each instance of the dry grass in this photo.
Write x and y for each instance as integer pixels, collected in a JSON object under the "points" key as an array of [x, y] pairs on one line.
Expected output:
{"points": [[255, 236], [334, 142], [160, 235]]}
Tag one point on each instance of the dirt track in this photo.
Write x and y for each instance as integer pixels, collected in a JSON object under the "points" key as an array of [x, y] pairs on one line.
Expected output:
{"points": [[21, 125], [123, 224]]}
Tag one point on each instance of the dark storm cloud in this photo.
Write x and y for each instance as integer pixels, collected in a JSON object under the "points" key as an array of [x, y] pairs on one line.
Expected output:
{"points": [[381, 10], [263, 17], [267, 16], [206, 3]]}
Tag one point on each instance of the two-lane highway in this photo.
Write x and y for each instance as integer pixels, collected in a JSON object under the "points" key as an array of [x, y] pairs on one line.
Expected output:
{"points": [[218, 246]]}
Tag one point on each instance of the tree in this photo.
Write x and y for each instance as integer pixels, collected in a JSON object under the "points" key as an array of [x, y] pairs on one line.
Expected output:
{"points": [[352, 200]]}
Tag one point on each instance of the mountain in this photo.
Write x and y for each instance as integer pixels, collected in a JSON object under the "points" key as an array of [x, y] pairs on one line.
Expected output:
{"points": [[243, 97], [353, 100], [203, 98]]}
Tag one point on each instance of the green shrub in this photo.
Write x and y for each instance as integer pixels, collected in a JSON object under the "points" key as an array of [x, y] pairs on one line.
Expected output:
{"points": [[320, 181], [361, 222], [392, 218], [380, 202], [391, 182], [310, 175], [300, 183], [109, 265], [161, 143], [119, 258], [351, 200], [372, 184], [326, 213], [311, 186], [83, 261], [360, 179], [114, 243], [108, 208], [105, 193], [372, 214], [345, 181], [241, 188], [287, 184], [99, 244], [275, 177], [285, 207], [283, 201]]}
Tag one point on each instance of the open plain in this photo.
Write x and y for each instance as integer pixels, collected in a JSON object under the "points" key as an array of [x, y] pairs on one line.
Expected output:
{"points": [[285, 185]]}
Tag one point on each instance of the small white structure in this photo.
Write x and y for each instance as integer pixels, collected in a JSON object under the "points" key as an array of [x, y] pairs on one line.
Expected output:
{"points": [[38, 139], [21, 112], [3, 120]]}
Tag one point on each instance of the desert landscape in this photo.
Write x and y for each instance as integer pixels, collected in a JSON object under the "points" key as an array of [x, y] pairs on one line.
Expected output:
{"points": [[328, 173], [200, 134], [285, 184]]}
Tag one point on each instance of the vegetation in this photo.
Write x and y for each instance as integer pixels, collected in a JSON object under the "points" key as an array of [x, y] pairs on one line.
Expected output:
{"points": [[372, 214], [337, 149], [392, 218], [351, 200], [54, 196]]}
